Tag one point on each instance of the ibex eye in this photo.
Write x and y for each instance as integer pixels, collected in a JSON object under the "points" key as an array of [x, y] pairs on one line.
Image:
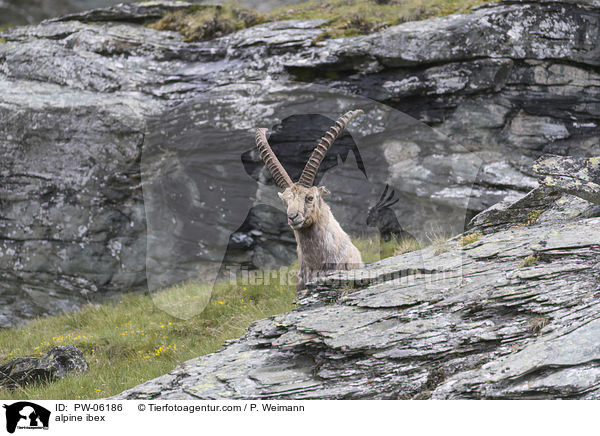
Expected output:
{"points": [[310, 198]]}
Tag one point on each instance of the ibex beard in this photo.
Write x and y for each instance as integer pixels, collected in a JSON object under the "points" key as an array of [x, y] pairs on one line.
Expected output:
{"points": [[323, 246]]}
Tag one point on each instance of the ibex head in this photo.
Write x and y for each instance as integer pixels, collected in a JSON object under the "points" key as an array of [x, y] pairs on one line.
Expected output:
{"points": [[302, 199]]}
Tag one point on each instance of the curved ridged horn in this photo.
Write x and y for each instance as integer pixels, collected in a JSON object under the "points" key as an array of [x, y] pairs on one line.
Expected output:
{"points": [[266, 154], [383, 196], [316, 158]]}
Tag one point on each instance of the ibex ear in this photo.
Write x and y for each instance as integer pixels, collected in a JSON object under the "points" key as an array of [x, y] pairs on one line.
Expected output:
{"points": [[323, 191], [280, 194]]}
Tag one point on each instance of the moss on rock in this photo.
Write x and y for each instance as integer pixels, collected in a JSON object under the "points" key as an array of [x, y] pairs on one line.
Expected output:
{"points": [[208, 21], [344, 18]]}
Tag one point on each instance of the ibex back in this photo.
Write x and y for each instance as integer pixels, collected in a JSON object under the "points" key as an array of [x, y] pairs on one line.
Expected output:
{"points": [[322, 244]]}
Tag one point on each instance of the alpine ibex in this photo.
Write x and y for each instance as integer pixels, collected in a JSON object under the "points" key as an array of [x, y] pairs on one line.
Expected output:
{"points": [[321, 243]]}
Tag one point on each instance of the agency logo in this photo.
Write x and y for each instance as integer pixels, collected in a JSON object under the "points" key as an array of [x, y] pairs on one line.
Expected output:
{"points": [[26, 415]]}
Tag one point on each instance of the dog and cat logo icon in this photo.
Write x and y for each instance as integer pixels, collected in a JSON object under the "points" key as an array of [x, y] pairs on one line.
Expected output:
{"points": [[26, 415]]}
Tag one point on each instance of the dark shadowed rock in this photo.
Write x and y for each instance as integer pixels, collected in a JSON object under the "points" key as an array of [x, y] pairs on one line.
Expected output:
{"points": [[53, 365]]}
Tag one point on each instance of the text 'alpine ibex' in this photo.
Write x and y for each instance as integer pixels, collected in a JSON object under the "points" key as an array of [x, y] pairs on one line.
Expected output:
{"points": [[322, 244]]}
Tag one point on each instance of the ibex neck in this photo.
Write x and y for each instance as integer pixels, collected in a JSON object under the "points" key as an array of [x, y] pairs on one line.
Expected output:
{"points": [[315, 238], [322, 219], [318, 245]]}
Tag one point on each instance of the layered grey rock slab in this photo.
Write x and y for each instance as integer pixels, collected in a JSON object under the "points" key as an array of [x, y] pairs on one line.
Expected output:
{"points": [[512, 315], [575, 175], [502, 86], [72, 219]]}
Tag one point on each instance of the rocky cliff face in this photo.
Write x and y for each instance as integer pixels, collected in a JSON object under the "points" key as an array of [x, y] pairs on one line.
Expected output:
{"points": [[512, 314], [82, 96]]}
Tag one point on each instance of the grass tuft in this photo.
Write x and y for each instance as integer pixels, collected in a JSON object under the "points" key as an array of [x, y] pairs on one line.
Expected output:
{"points": [[208, 21], [406, 245], [470, 238], [528, 261], [537, 324], [374, 249], [439, 241]]}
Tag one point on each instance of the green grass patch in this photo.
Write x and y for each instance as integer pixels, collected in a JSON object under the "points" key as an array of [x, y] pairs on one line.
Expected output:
{"points": [[358, 17], [470, 238], [208, 21], [374, 249], [4, 27], [344, 18], [134, 339]]}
